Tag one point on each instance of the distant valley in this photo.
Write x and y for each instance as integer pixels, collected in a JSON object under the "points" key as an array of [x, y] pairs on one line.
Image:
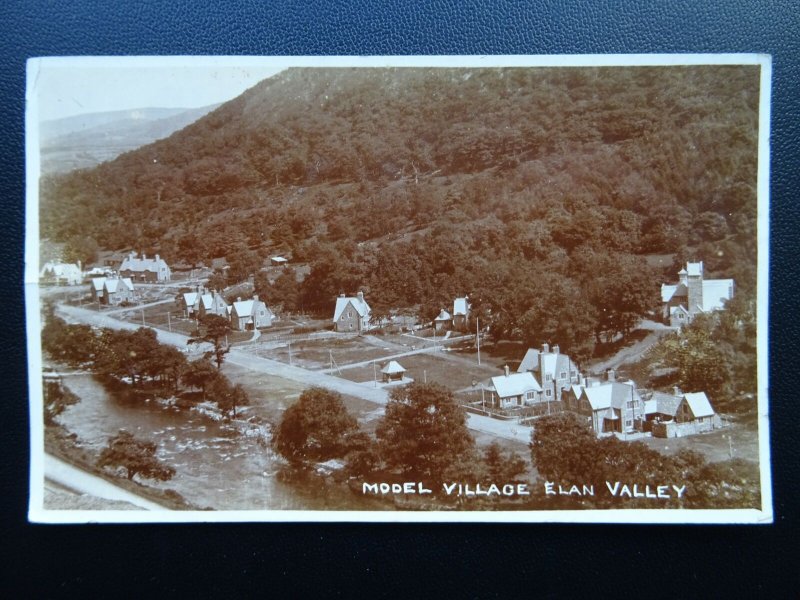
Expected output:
{"points": [[84, 141]]}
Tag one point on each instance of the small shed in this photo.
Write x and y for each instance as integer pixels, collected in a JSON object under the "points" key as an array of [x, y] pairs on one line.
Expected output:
{"points": [[393, 371], [278, 261]]}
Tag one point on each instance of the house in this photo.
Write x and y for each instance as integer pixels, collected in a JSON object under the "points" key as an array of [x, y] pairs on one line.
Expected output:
{"points": [[352, 314], [515, 389], [393, 371], [145, 269], [61, 273], [693, 295], [111, 290], [247, 315], [556, 371], [189, 302], [461, 313], [610, 406], [212, 304], [680, 414], [443, 321]]}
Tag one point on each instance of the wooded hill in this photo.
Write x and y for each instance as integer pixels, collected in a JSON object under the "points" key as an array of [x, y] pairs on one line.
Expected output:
{"points": [[536, 191]]}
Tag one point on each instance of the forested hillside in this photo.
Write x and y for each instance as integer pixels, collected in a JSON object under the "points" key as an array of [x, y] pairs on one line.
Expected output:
{"points": [[536, 191]]}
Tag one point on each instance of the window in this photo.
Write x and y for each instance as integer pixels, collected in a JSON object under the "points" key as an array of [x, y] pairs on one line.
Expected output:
{"points": [[530, 395], [563, 375], [548, 393], [548, 377], [629, 423], [631, 403]]}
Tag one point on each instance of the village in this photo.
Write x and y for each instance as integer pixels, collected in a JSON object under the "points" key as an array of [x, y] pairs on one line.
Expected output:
{"points": [[503, 388]]}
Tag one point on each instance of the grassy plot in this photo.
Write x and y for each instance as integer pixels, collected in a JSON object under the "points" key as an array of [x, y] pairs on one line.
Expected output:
{"points": [[270, 395]]}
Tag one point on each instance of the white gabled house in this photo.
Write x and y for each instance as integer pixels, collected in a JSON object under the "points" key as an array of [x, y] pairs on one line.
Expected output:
{"points": [[352, 314], [515, 389], [61, 273], [247, 315]]}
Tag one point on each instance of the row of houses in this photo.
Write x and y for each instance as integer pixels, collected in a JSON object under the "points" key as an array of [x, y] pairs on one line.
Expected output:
{"points": [[137, 269], [610, 406], [244, 315]]}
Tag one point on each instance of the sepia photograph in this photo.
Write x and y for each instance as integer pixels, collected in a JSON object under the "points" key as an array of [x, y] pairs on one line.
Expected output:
{"points": [[496, 288]]}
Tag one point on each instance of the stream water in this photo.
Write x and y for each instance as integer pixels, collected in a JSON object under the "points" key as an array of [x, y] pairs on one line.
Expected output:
{"points": [[217, 466]]}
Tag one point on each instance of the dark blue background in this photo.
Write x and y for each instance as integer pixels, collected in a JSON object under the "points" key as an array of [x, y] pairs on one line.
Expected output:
{"points": [[455, 560]]}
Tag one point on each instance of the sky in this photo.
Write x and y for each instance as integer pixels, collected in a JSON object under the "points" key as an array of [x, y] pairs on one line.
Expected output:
{"points": [[68, 87]]}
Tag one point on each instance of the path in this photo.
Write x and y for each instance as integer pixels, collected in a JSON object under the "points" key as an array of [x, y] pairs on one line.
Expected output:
{"points": [[82, 482], [242, 358], [117, 311], [635, 351]]}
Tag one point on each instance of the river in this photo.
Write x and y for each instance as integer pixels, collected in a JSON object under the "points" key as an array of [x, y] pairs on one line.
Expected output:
{"points": [[216, 465]]}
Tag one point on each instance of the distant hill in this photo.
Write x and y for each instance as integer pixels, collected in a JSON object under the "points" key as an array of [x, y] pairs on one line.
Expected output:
{"points": [[529, 189], [87, 140]]}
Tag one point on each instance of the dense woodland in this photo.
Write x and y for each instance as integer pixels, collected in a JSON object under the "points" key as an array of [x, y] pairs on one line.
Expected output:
{"points": [[538, 192]]}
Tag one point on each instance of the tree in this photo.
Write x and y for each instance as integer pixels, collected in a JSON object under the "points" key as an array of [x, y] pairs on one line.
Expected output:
{"points": [[424, 434], [136, 456], [502, 467], [214, 330], [316, 428], [227, 396], [56, 400], [199, 374], [127, 353]]}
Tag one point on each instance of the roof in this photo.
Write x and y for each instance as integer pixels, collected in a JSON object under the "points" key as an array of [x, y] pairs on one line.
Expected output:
{"points": [[715, 292], [393, 367], [554, 364], [69, 270], [668, 291], [694, 269], [443, 316], [460, 306], [207, 300], [279, 259], [665, 404], [190, 298], [360, 305], [133, 263], [112, 285], [98, 282], [515, 384], [530, 362], [698, 402], [611, 393]]}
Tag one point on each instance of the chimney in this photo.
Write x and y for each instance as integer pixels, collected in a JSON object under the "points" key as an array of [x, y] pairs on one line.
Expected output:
{"points": [[131, 254], [238, 298], [144, 256], [341, 295], [255, 297], [611, 375], [545, 348], [676, 391], [505, 370], [360, 296], [158, 258], [582, 379], [555, 349]]}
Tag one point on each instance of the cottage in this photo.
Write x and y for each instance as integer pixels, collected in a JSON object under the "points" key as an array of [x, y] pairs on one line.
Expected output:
{"points": [[443, 321], [680, 414], [145, 269], [111, 290], [61, 273], [556, 371], [393, 371], [611, 406], [693, 295], [352, 314], [212, 304], [461, 313], [247, 315], [515, 389]]}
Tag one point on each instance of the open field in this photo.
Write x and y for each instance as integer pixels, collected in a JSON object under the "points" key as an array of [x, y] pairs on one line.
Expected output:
{"points": [[431, 368], [740, 440], [316, 354], [270, 396]]}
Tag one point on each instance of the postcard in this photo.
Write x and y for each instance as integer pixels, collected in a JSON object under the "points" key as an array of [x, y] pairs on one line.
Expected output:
{"points": [[398, 289]]}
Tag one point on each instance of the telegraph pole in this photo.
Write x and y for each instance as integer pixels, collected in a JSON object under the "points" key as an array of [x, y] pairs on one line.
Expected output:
{"points": [[375, 373], [478, 337], [143, 323], [169, 322]]}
